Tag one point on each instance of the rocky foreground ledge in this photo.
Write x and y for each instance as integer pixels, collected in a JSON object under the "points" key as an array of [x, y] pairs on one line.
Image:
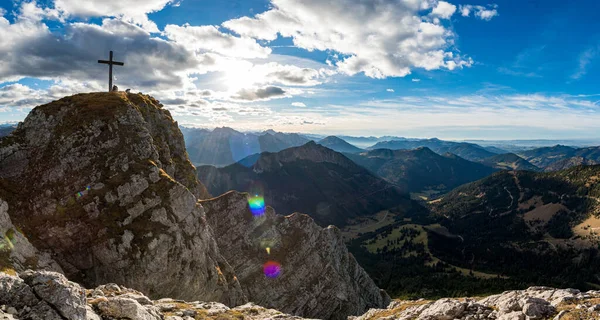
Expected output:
{"points": [[50, 296]]}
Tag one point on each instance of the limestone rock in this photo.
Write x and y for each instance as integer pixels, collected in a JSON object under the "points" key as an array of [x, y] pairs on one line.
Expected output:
{"points": [[317, 277], [444, 309], [123, 307], [533, 303], [43, 295], [16, 252], [103, 181]]}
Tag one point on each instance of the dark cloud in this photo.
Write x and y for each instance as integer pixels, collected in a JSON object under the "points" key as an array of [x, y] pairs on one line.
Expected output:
{"points": [[150, 63], [260, 94], [174, 101]]}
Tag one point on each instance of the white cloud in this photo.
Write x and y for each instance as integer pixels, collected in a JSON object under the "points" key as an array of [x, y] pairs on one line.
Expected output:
{"points": [[209, 38], [465, 10], [394, 40], [585, 58], [481, 12], [298, 104], [390, 90], [133, 11], [31, 11], [416, 80], [249, 75], [20, 96], [444, 10]]}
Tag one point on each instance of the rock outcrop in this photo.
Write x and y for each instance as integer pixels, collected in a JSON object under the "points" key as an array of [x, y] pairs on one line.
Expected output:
{"points": [[533, 303], [317, 275], [47, 295], [50, 296], [103, 181]]}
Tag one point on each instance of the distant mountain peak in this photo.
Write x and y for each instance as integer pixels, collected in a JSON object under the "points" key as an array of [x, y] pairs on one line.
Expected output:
{"points": [[339, 145]]}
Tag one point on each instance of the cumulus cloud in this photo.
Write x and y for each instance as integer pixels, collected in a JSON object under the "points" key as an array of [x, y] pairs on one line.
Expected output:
{"points": [[30, 49], [20, 96], [444, 10], [209, 38], [134, 11], [390, 90], [394, 40], [298, 104], [481, 12]]}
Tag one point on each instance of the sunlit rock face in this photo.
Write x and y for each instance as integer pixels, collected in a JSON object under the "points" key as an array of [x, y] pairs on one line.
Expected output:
{"points": [[290, 263], [103, 181]]}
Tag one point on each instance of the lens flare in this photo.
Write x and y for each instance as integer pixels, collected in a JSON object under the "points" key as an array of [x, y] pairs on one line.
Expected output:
{"points": [[83, 193], [272, 269], [256, 199], [257, 205]]}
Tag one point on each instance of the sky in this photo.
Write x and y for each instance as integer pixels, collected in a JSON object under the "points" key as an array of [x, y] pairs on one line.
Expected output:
{"points": [[416, 68]]}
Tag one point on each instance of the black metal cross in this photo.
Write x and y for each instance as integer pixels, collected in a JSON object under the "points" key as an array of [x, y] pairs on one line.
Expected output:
{"points": [[110, 64]]}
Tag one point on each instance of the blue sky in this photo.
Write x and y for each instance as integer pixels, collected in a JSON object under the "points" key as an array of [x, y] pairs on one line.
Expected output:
{"points": [[417, 68]]}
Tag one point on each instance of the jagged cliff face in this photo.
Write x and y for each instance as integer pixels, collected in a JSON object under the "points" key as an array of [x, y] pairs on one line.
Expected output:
{"points": [[103, 182], [318, 277], [16, 252]]}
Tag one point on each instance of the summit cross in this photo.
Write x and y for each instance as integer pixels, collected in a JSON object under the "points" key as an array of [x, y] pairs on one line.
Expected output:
{"points": [[110, 64]]}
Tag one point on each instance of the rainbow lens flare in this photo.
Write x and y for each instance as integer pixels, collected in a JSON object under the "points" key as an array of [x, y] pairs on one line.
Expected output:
{"points": [[272, 269], [257, 205]]}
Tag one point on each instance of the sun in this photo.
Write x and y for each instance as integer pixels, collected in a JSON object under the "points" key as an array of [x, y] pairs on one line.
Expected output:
{"points": [[237, 76]]}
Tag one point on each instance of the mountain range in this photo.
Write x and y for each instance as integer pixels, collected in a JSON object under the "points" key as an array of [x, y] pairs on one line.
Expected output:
{"points": [[509, 161], [339, 145], [310, 179], [6, 129], [421, 170], [464, 150], [546, 157], [224, 146]]}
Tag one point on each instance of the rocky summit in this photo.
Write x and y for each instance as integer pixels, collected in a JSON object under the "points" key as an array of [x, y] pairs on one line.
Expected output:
{"points": [[102, 181], [99, 188]]}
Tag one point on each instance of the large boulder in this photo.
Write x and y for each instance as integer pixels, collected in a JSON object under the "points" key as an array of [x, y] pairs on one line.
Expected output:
{"points": [[103, 181], [43, 295], [290, 263]]}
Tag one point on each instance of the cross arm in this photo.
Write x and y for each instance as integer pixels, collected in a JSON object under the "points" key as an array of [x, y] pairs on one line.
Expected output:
{"points": [[111, 62]]}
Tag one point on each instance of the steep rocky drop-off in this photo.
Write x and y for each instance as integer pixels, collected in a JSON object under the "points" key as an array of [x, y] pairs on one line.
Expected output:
{"points": [[318, 277], [103, 182]]}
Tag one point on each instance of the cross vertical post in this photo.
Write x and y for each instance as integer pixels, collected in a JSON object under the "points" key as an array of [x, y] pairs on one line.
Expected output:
{"points": [[110, 77], [110, 64]]}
